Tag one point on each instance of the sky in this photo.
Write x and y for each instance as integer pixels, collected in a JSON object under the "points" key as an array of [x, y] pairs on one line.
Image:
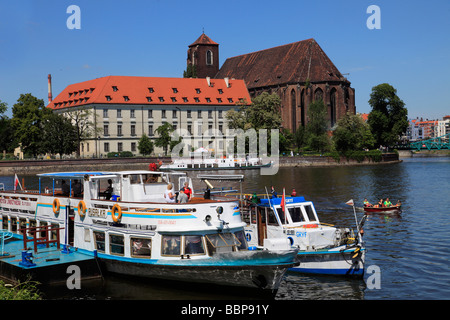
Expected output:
{"points": [[411, 50]]}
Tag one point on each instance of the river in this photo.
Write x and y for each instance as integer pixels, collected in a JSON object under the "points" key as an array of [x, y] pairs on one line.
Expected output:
{"points": [[410, 250]]}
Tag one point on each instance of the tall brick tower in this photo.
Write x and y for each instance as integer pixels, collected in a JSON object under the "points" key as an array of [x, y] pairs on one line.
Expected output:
{"points": [[203, 57]]}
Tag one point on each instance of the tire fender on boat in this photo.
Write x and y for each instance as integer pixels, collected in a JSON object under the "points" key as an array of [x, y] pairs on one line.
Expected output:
{"points": [[56, 206], [82, 209], [116, 209]]}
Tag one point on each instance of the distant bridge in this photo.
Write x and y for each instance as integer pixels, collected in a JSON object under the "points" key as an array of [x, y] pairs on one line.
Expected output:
{"points": [[438, 143]]}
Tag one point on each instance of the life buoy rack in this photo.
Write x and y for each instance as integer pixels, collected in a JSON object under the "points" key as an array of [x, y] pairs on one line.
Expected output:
{"points": [[82, 209], [116, 209], [56, 206]]}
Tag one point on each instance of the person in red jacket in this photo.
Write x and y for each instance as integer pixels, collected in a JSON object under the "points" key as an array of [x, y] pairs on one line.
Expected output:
{"points": [[187, 190]]}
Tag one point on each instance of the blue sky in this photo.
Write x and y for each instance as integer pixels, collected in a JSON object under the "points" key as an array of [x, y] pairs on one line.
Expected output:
{"points": [[411, 51]]}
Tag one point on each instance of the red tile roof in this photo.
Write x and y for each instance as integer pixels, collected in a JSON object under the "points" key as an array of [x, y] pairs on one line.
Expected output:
{"points": [[291, 63], [204, 39], [151, 90]]}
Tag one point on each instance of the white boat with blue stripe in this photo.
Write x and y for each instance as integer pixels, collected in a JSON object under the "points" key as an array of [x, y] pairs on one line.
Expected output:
{"points": [[123, 219], [292, 222]]}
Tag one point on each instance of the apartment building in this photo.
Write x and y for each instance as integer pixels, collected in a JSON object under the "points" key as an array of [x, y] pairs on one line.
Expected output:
{"points": [[118, 110]]}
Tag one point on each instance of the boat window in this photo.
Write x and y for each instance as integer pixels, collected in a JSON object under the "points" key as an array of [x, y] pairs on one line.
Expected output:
{"points": [[193, 245], [296, 214], [224, 242], [13, 224], [282, 216], [5, 223], [141, 247], [135, 179], [272, 219], [241, 238], [171, 245], [310, 213], [116, 245], [53, 232], [99, 238]]}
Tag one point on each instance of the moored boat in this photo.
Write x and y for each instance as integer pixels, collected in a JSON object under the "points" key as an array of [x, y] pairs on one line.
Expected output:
{"points": [[292, 222], [391, 209], [123, 219]]}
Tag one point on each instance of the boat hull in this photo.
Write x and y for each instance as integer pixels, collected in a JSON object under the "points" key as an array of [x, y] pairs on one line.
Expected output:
{"points": [[394, 209], [262, 270], [332, 262], [163, 168]]}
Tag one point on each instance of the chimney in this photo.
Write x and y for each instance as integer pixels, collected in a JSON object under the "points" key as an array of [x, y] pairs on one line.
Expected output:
{"points": [[50, 98], [227, 82], [208, 80]]}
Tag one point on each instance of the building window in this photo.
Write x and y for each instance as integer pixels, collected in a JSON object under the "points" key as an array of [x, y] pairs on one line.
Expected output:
{"points": [[174, 113], [150, 114], [132, 113], [106, 147], [105, 113], [114, 88], [150, 130], [151, 90], [208, 99], [161, 99], [196, 99], [209, 58], [133, 129], [219, 115], [175, 90], [173, 99], [126, 98], [220, 91], [188, 114], [108, 98], [197, 90], [185, 99], [119, 146], [221, 128], [119, 129], [230, 100], [106, 129], [133, 147], [163, 113], [189, 128], [149, 99], [210, 114], [119, 113], [219, 100], [199, 114]]}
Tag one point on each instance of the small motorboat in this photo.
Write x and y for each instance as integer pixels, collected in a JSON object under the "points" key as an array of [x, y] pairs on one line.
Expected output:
{"points": [[391, 209]]}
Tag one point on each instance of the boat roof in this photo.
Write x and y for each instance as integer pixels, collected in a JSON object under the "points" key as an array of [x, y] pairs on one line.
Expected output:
{"points": [[277, 201], [72, 175]]}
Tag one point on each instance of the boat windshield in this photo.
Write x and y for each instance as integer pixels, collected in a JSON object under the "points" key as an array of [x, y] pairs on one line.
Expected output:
{"points": [[310, 213], [296, 214]]}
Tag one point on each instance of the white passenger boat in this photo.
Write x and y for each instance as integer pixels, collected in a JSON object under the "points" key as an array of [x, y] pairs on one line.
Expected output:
{"points": [[206, 162], [123, 219], [293, 222]]}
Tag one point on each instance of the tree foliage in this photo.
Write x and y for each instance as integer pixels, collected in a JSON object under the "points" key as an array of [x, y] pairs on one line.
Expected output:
{"points": [[164, 140], [352, 133], [59, 135], [145, 145], [388, 119], [6, 132], [28, 114], [316, 128]]}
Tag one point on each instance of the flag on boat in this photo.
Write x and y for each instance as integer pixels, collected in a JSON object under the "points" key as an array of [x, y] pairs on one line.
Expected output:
{"points": [[283, 202], [350, 202], [16, 182]]}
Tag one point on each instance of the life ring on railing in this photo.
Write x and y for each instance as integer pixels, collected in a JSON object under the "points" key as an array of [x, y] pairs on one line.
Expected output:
{"points": [[312, 225], [82, 209], [56, 206], [116, 209]]}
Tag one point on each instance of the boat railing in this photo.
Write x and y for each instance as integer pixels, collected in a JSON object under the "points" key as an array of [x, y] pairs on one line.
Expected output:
{"points": [[37, 240]]}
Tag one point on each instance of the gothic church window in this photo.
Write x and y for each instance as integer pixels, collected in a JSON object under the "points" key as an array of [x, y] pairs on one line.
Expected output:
{"points": [[209, 58]]}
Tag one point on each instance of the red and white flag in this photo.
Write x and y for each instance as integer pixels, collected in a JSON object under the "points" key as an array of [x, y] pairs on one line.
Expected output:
{"points": [[283, 205], [16, 182], [350, 202]]}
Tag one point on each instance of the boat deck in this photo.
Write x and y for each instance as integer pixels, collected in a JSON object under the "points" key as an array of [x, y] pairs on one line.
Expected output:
{"points": [[51, 264]]}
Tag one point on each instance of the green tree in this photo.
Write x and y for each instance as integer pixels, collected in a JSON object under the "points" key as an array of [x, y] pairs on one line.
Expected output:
{"points": [[6, 131], [316, 129], [145, 145], [388, 119], [299, 137], [59, 135], [28, 113], [164, 140], [190, 72], [85, 128], [352, 133]]}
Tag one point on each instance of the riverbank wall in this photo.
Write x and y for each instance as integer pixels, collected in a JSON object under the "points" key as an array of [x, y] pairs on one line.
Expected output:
{"points": [[32, 167]]}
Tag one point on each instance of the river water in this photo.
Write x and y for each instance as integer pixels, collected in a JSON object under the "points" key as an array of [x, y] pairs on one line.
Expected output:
{"points": [[408, 254]]}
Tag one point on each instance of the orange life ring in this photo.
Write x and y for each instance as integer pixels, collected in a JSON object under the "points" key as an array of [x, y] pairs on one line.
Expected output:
{"points": [[56, 206], [118, 209], [82, 209]]}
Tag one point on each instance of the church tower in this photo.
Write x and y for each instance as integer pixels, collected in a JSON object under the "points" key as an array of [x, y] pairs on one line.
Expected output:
{"points": [[203, 58]]}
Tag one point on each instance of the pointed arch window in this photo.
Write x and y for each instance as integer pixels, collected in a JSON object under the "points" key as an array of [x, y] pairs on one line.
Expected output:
{"points": [[209, 58]]}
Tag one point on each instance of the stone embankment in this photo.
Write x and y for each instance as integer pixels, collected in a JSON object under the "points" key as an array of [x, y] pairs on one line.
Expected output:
{"points": [[32, 167]]}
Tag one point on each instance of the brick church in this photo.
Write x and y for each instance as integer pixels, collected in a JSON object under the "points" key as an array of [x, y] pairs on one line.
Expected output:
{"points": [[298, 72]]}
